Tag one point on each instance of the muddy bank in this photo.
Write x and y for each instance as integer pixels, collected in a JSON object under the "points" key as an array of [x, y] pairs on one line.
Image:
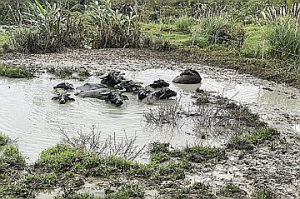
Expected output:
{"points": [[275, 166]]}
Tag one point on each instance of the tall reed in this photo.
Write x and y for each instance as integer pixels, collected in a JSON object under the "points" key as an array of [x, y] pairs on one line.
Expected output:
{"points": [[284, 35]]}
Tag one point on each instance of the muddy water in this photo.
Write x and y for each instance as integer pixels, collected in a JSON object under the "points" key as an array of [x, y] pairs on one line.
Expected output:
{"points": [[28, 114]]}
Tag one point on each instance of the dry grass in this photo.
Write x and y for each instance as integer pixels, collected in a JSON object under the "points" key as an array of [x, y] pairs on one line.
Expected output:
{"points": [[93, 142]]}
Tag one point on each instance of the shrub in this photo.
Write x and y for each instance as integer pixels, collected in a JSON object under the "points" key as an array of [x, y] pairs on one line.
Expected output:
{"points": [[284, 35], [12, 158], [111, 29], [253, 43], [14, 72], [246, 142], [183, 24], [222, 30]]}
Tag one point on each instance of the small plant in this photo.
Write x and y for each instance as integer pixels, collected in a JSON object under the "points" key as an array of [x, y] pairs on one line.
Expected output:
{"points": [[65, 73], [128, 190], [247, 142], [63, 158], [4, 140], [158, 147], [199, 153], [125, 148], [83, 72], [160, 157], [164, 114], [12, 158], [74, 195], [232, 191], [264, 193], [169, 171], [38, 181], [199, 189]]}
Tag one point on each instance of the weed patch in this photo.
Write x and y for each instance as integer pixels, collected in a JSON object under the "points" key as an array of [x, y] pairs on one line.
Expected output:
{"points": [[14, 72], [232, 191], [199, 189], [264, 193], [247, 142]]}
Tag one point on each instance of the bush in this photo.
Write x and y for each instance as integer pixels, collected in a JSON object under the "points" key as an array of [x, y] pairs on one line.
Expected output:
{"points": [[14, 72], [221, 30], [284, 35], [253, 43], [52, 28], [183, 24]]}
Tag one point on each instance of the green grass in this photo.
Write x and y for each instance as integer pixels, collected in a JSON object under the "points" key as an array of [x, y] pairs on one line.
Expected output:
{"points": [[199, 153], [4, 40], [253, 42], [248, 141], [200, 189], [232, 191], [14, 72], [166, 32], [11, 157], [38, 181], [4, 140], [264, 193]]}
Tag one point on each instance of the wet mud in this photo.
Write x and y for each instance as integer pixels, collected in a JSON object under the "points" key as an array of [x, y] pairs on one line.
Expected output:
{"points": [[275, 165]]}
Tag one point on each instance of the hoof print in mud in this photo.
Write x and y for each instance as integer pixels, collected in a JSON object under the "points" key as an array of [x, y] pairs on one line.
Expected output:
{"points": [[159, 84], [63, 98], [188, 76]]}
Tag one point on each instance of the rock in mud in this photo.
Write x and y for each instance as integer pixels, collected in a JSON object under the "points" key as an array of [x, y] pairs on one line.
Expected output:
{"points": [[188, 76]]}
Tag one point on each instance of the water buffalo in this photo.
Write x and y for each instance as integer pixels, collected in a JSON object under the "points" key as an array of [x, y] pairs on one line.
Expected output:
{"points": [[128, 86], [63, 98], [104, 94], [112, 79], [188, 76], [164, 93], [65, 86], [91, 86], [159, 84]]}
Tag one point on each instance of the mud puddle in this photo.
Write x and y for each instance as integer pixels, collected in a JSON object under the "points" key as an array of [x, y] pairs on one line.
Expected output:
{"points": [[29, 112], [36, 121]]}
